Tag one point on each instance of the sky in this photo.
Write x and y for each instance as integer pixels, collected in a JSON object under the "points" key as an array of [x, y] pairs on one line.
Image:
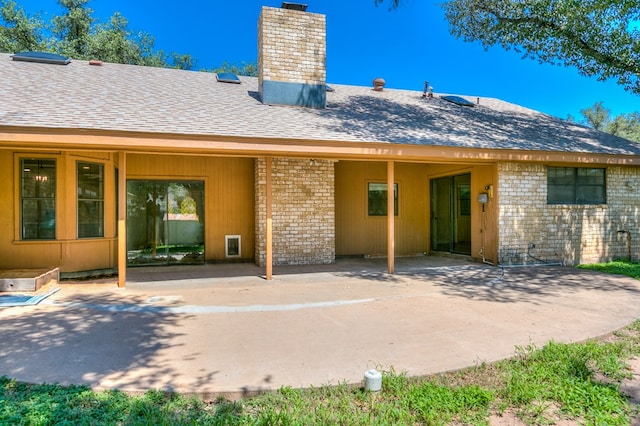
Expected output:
{"points": [[406, 47]]}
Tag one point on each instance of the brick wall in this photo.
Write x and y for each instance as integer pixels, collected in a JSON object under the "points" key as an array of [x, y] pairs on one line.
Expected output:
{"points": [[570, 234], [291, 46], [303, 210]]}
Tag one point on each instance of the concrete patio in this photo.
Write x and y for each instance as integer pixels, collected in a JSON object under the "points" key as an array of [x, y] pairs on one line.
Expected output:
{"points": [[223, 329]]}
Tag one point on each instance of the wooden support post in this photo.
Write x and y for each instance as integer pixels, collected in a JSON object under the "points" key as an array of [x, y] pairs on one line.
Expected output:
{"points": [[269, 230], [122, 220], [391, 217]]}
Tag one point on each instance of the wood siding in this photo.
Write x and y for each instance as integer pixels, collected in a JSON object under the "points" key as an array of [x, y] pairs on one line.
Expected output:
{"points": [[481, 223], [229, 198], [66, 251], [229, 194], [360, 234], [357, 233]]}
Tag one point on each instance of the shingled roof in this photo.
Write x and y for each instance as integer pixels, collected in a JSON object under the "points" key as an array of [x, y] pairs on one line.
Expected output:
{"points": [[115, 97]]}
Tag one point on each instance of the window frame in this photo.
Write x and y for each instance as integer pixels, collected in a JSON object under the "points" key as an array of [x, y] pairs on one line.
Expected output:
{"points": [[576, 183], [383, 203], [38, 198], [82, 200]]}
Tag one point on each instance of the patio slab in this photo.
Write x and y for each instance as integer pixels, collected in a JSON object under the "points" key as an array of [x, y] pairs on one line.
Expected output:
{"points": [[235, 334]]}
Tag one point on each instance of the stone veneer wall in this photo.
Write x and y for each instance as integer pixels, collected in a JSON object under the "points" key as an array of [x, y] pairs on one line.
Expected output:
{"points": [[291, 46], [303, 209], [570, 234]]}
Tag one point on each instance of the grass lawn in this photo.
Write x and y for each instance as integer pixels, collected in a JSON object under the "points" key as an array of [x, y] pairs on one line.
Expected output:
{"points": [[631, 269], [577, 382]]}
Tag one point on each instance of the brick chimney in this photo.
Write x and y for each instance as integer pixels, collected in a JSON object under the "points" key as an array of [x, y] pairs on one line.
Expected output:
{"points": [[292, 57]]}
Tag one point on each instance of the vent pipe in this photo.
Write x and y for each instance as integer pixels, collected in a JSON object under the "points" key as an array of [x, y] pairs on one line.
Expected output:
{"points": [[427, 92]]}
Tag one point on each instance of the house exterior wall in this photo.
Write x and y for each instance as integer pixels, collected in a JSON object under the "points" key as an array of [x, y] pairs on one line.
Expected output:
{"points": [[66, 251], [228, 197], [357, 233], [571, 234], [483, 220], [229, 210], [303, 211]]}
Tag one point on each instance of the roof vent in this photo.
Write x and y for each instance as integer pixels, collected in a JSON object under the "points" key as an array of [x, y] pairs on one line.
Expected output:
{"points": [[41, 57], [294, 6], [378, 84]]}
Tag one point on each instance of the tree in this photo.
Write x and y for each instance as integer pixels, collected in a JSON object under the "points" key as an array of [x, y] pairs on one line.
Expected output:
{"points": [[600, 38], [597, 116], [115, 42], [19, 32], [73, 28], [624, 125], [76, 34], [250, 69]]}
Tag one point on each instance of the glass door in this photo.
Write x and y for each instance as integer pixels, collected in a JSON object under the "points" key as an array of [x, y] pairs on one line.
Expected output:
{"points": [[451, 214], [165, 222]]}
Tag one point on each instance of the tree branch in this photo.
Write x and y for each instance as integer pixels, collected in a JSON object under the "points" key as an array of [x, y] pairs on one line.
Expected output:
{"points": [[579, 42]]}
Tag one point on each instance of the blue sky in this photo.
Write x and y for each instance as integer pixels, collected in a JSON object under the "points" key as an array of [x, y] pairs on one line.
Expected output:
{"points": [[405, 47]]}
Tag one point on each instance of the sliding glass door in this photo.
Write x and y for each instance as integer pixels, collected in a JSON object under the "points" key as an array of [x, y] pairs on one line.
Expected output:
{"points": [[165, 222], [451, 214]]}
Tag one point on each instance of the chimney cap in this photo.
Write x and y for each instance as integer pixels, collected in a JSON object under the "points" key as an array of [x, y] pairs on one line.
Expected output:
{"points": [[294, 6]]}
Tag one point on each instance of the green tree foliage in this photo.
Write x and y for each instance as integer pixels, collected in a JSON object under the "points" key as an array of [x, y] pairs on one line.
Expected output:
{"points": [[624, 125], [115, 42], [19, 32], [76, 34], [73, 28], [600, 38], [248, 69], [596, 116]]}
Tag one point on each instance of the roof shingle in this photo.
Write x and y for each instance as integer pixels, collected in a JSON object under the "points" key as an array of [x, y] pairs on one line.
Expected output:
{"points": [[134, 98]]}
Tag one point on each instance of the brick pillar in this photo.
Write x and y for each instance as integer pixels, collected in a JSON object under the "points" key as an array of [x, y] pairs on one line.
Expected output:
{"points": [[303, 211]]}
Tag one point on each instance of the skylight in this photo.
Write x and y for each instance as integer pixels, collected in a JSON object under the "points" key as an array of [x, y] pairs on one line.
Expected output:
{"points": [[227, 77], [41, 57], [458, 100]]}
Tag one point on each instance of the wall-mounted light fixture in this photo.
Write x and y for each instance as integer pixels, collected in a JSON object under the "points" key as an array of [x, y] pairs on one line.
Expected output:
{"points": [[489, 189]]}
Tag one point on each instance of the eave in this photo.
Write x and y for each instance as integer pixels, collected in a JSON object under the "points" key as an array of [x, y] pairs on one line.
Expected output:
{"points": [[48, 139]]}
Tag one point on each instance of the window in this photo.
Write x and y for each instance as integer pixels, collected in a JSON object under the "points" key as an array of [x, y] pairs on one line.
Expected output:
{"points": [[38, 199], [571, 185], [90, 200], [377, 199]]}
